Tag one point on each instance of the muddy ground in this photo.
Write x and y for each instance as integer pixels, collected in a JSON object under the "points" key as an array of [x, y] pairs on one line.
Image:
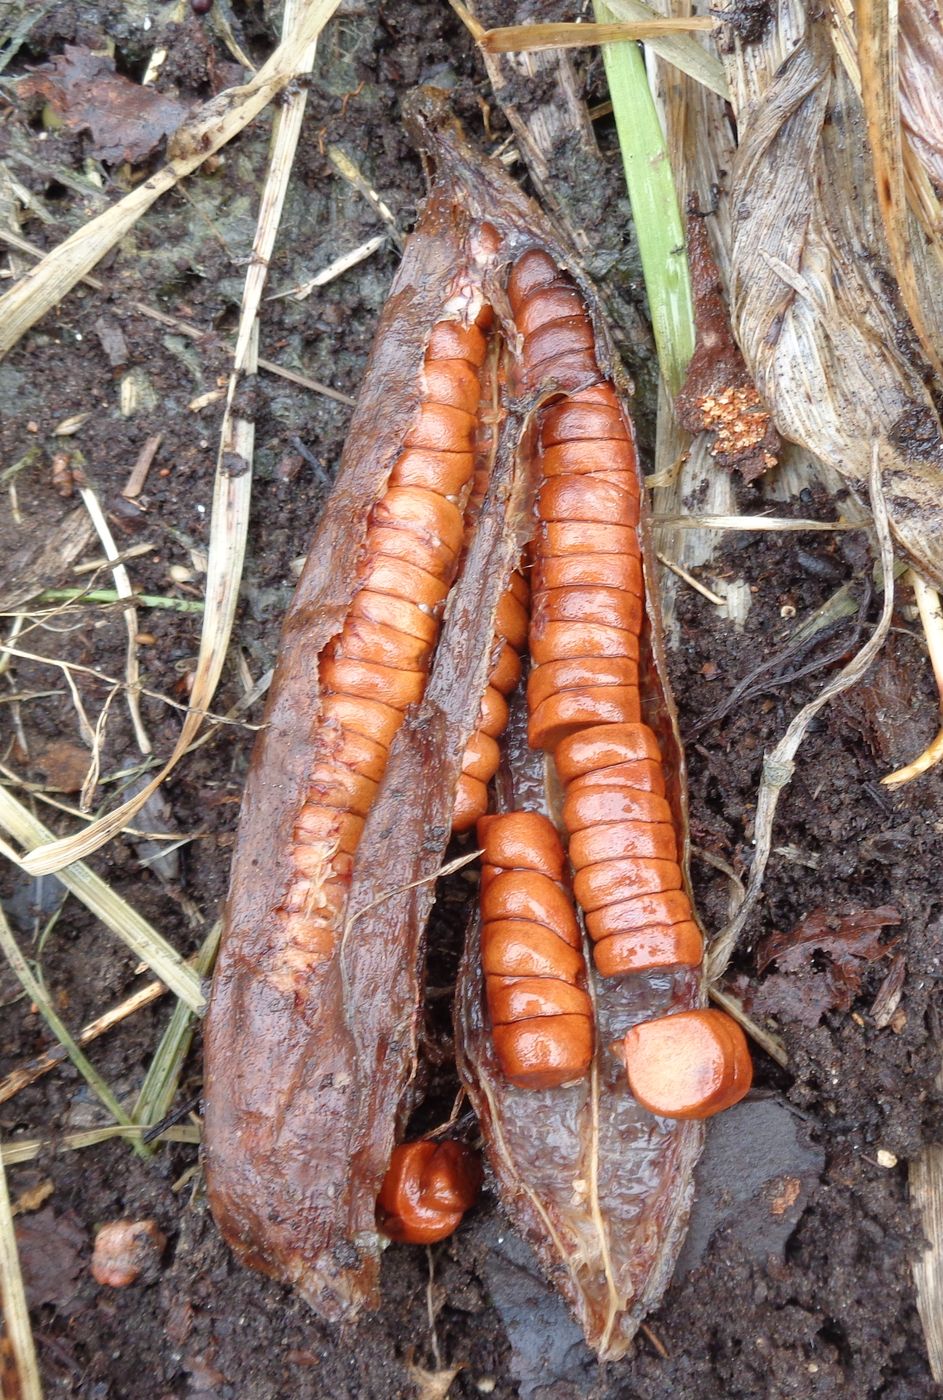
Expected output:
{"points": [[796, 1280]]}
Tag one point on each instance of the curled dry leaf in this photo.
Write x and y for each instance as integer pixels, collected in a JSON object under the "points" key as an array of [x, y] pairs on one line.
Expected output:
{"points": [[125, 120], [718, 396], [819, 324]]}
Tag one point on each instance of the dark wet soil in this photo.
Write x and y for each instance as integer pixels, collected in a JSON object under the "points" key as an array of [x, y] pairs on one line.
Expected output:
{"points": [[820, 1306]]}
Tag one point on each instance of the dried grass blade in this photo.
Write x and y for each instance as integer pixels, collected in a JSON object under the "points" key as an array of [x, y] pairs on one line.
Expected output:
{"points": [[114, 912], [163, 1075], [124, 590], [37, 994], [216, 122], [232, 488], [530, 38], [27, 1149], [681, 50], [16, 1325], [877, 32]]}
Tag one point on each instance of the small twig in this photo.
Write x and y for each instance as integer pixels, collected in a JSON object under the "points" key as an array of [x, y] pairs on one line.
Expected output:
{"points": [[931, 617], [343, 164], [334, 269], [690, 580], [779, 766], [134, 551], [27, 1074], [186, 328], [765, 1039], [142, 466], [38, 995]]}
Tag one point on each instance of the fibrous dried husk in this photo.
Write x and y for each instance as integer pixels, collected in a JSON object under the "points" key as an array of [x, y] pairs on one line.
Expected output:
{"points": [[814, 307]]}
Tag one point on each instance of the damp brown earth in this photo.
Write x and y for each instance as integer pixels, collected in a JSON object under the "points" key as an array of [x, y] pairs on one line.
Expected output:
{"points": [[796, 1279]]}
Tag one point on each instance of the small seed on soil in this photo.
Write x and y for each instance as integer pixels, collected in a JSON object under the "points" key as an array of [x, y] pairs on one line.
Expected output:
{"points": [[126, 1250]]}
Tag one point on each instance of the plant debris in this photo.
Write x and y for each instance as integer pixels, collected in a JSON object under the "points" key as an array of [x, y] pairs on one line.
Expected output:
{"points": [[126, 121], [718, 396], [821, 963]]}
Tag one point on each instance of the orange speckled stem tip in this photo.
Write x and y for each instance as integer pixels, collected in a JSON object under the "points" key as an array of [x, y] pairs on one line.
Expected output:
{"points": [[427, 1189], [691, 1065]]}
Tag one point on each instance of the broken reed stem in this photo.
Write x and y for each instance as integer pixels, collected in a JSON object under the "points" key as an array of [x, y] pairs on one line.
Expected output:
{"points": [[779, 765], [531, 38], [16, 1324]]}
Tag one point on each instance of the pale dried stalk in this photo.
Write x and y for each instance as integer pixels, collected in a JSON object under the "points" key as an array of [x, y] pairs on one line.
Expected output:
{"points": [[336, 268], [216, 122], [114, 912], [928, 606], [233, 482], [124, 590], [15, 1312], [926, 1190]]}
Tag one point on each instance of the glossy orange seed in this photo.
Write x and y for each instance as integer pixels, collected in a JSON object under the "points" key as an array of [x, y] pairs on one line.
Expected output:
{"points": [[690, 1065], [427, 1189]]}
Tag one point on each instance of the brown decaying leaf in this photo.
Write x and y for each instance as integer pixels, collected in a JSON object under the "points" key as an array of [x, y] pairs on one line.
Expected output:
{"points": [[846, 942], [64, 765], [51, 1249], [718, 396], [126, 121]]}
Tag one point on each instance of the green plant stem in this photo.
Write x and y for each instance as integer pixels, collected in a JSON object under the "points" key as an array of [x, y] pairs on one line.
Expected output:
{"points": [[654, 201]]}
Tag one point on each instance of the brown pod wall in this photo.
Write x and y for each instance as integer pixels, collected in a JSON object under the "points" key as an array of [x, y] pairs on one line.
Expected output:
{"points": [[309, 1077]]}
